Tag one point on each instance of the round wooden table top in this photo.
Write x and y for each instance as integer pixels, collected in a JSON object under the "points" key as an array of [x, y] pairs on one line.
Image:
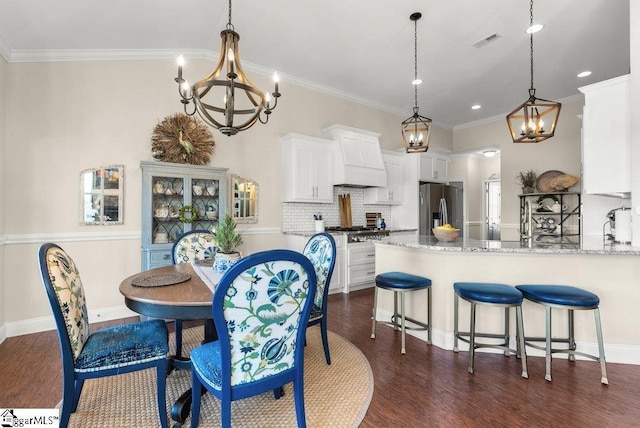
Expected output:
{"points": [[186, 300]]}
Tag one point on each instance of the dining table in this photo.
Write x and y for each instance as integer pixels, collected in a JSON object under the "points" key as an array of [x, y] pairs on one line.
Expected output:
{"points": [[175, 292]]}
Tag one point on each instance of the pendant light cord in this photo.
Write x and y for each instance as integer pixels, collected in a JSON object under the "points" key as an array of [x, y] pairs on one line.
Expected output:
{"points": [[530, 41], [229, 24], [415, 59]]}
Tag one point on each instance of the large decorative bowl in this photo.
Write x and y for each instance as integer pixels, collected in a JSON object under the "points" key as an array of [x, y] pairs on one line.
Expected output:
{"points": [[446, 235]]}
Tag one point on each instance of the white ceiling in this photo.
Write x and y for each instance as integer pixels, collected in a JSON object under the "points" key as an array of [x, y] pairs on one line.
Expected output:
{"points": [[359, 48]]}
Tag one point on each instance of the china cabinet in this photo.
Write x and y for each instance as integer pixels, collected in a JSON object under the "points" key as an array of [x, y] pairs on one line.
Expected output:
{"points": [[177, 198], [392, 194], [550, 217]]}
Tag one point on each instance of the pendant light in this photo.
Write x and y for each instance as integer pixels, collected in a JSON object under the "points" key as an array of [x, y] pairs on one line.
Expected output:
{"points": [[416, 129], [234, 112], [536, 119]]}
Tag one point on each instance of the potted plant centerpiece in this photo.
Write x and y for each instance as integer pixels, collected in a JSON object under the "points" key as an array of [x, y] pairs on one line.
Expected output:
{"points": [[527, 180], [227, 240]]}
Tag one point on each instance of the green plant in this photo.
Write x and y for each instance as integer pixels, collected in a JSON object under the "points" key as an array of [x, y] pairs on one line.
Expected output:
{"points": [[527, 178], [226, 237]]}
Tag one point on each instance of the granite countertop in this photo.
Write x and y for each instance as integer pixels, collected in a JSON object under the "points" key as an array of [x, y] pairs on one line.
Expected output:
{"points": [[590, 245], [310, 232]]}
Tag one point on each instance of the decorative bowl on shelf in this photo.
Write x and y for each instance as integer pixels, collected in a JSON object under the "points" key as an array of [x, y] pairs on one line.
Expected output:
{"points": [[446, 235]]}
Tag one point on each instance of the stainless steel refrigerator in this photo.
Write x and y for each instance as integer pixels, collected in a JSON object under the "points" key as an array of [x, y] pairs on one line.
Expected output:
{"points": [[439, 204]]}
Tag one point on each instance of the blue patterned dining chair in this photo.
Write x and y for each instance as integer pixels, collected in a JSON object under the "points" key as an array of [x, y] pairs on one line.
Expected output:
{"points": [[111, 351], [191, 246], [321, 250], [260, 308]]}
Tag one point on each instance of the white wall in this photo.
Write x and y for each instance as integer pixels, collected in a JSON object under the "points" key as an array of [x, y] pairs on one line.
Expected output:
{"points": [[634, 16]]}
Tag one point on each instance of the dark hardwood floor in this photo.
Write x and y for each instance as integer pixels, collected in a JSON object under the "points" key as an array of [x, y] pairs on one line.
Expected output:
{"points": [[428, 386]]}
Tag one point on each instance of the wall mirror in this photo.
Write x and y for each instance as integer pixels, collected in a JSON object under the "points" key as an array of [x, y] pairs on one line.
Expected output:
{"points": [[101, 195], [244, 200]]}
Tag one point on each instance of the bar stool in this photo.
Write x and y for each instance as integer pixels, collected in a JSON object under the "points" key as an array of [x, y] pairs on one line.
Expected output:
{"points": [[401, 283], [570, 298], [489, 294]]}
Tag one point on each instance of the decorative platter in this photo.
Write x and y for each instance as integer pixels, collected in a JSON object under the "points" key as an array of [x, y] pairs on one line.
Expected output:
{"points": [[544, 183]]}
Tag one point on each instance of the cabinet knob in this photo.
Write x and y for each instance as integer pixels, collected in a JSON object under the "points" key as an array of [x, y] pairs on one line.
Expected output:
{"points": [[167, 256]]}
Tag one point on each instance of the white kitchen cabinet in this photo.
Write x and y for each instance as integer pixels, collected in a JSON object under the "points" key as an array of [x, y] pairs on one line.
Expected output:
{"points": [[361, 265], [433, 167], [393, 193], [606, 137], [308, 169]]}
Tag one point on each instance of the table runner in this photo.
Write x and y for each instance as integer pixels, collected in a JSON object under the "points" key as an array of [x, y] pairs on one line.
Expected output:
{"points": [[208, 275]]}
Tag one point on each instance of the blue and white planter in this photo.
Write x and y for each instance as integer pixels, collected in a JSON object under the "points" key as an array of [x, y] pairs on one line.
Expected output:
{"points": [[222, 262]]}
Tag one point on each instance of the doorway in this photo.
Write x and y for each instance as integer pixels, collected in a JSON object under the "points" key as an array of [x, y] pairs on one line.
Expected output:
{"points": [[491, 217]]}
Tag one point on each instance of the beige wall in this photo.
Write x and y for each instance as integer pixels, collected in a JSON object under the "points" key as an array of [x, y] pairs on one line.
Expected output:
{"points": [[562, 152], [69, 116], [634, 16]]}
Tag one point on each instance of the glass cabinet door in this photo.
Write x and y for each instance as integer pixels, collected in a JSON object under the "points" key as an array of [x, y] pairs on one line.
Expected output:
{"points": [[167, 206], [205, 198]]}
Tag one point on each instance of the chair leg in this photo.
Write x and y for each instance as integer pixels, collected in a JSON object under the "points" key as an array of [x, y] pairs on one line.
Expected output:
{"points": [[79, 383], [195, 399], [455, 323], [325, 339], [395, 311], [547, 375], [472, 337], [506, 331], [520, 339], [68, 402], [298, 392], [178, 327], [402, 325], [225, 412], [161, 381], [375, 306], [603, 363], [572, 337]]}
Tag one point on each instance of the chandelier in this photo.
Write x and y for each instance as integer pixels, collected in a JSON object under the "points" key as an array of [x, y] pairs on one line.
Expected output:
{"points": [[235, 103], [416, 129], [527, 121]]}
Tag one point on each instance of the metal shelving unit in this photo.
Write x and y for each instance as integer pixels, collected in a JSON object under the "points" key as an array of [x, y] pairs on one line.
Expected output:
{"points": [[549, 226]]}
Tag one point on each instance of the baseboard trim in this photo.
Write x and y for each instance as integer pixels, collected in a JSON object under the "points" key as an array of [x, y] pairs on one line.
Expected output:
{"points": [[614, 352], [37, 325]]}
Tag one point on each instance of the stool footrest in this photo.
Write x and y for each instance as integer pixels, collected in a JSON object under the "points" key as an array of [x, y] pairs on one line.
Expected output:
{"points": [[465, 337], [394, 323]]}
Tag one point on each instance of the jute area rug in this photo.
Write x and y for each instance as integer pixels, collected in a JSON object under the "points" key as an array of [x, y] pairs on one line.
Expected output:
{"points": [[335, 396]]}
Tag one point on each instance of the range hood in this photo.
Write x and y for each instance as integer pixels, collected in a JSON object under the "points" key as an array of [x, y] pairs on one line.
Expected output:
{"points": [[357, 157]]}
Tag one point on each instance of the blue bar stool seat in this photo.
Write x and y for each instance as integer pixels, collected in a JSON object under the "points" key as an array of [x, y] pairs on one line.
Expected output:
{"points": [[401, 283], [490, 294], [570, 298]]}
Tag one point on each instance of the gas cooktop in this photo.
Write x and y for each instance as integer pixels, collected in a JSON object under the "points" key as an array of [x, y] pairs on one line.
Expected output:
{"points": [[349, 229]]}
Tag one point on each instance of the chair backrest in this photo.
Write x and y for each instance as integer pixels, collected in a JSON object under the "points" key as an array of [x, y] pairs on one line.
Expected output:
{"points": [[321, 250], [193, 245], [66, 296], [261, 308]]}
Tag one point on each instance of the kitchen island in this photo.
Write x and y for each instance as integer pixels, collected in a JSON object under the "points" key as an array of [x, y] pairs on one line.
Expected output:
{"points": [[610, 271]]}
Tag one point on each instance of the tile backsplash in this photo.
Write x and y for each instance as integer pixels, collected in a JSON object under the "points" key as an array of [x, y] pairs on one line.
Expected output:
{"points": [[299, 216]]}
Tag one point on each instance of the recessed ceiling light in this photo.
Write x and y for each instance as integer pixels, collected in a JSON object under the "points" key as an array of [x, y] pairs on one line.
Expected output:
{"points": [[489, 153], [534, 28], [584, 74], [416, 82], [475, 107]]}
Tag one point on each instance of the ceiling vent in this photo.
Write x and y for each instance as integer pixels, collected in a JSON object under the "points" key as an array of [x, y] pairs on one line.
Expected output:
{"points": [[486, 40]]}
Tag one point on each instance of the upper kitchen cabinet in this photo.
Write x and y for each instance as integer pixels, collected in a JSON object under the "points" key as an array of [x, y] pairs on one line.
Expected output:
{"points": [[358, 158], [433, 167], [308, 169], [392, 194], [606, 142]]}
